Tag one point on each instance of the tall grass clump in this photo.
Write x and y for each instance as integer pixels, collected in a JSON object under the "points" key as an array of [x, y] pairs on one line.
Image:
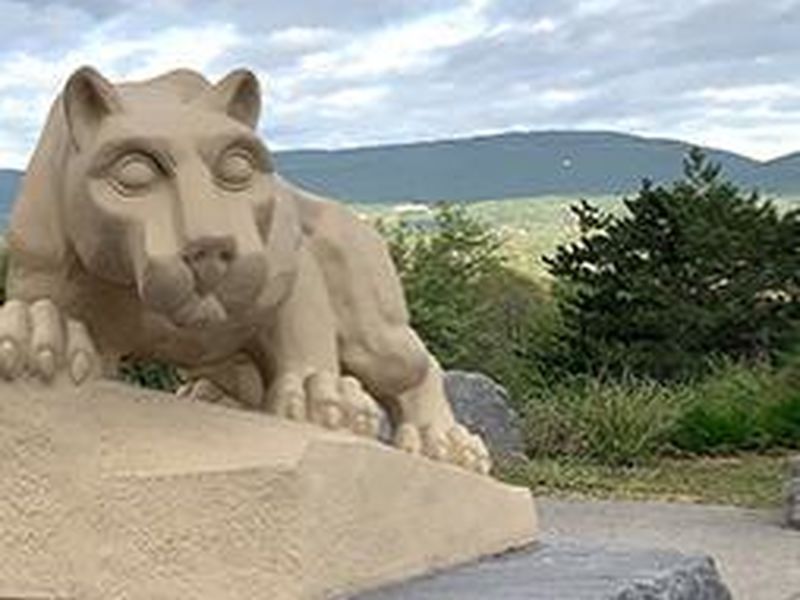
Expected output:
{"points": [[618, 422], [626, 420]]}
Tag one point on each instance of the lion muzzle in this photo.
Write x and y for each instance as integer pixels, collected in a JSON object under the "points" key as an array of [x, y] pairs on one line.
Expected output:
{"points": [[204, 285]]}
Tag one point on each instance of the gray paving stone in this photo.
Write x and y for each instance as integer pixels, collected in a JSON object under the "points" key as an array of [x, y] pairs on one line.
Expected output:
{"points": [[567, 570]]}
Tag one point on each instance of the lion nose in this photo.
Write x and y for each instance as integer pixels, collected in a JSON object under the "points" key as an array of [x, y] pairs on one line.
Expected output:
{"points": [[209, 259]]}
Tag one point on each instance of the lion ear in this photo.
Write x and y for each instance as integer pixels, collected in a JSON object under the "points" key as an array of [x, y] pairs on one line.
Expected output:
{"points": [[238, 95], [88, 99]]}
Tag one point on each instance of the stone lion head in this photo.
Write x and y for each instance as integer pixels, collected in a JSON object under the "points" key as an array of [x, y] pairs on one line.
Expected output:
{"points": [[162, 186]]}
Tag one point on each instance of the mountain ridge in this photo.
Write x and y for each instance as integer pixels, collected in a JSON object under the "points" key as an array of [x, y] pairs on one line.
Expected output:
{"points": [[504, 165], [519, 164]]}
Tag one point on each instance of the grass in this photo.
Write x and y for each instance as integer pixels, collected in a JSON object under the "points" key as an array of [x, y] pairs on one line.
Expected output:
{"points": [[752, 481], [616, 422]]}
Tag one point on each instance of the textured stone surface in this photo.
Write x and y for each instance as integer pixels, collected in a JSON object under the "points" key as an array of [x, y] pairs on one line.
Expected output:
{"points": [[563, 570], [793, 494], [483, 406], [108, 491]]}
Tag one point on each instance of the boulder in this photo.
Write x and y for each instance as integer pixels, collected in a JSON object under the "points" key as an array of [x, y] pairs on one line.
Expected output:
{"points": [[483, 406]]}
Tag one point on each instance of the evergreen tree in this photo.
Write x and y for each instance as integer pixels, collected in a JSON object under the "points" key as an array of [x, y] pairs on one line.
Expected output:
{"points": [[689, 271]]}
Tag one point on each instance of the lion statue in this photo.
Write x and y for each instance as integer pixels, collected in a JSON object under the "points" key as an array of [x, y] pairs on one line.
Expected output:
{"points": [[151, 223]]}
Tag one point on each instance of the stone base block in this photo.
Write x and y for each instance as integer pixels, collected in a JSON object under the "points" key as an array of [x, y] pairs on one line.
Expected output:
{"points": [[567, 570], [113, 492]]}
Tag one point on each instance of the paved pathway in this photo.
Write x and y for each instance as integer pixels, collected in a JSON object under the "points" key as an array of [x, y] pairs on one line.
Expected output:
{"points": [[758, 559]]}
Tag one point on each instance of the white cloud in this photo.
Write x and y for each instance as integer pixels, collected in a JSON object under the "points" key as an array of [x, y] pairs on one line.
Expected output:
{"points": [[748, 93], [557, 97], [29, 83], [355, 98], [596, 7], [409, 46], [536, 27], [762, 142], [720, 72], [301, 38]]}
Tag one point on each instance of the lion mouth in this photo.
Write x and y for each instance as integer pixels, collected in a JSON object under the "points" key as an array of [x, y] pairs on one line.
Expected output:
{"points": [[169, 287]]}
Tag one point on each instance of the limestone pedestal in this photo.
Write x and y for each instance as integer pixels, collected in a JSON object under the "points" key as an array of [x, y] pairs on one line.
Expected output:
{"points": [[111, 492]]}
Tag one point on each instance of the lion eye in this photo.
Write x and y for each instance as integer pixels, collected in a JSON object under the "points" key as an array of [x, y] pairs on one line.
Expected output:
{"points": [[135, 173], [236, 168]]}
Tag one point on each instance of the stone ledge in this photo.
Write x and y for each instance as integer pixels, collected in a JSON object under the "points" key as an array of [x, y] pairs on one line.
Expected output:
{"points": [[569, 570], [110, 491]]}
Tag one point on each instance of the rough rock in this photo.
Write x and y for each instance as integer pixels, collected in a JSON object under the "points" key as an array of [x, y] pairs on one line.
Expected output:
{"points": [[108, 491], [793, 494], [567, 570], [482, 405]]}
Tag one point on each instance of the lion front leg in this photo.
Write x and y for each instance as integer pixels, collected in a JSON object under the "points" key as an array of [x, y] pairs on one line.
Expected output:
{"points": [[395, 365], [301, 356], [376, 343]]}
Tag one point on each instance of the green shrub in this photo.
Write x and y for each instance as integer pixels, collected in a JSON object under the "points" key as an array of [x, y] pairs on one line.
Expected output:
{"points": [[443, 267], [724, 412], [472, 311], [518, 323], [742, 407], [617, 422], [781, 413], [781, 421], [153, 375]]}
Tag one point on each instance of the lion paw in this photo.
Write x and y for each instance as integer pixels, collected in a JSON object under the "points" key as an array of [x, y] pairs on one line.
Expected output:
{"points": [[455, 445], [38, 339], [327, 400]]}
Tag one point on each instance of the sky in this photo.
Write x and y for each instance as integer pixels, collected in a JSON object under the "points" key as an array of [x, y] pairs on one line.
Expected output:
{"points": [[344, 73]]}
